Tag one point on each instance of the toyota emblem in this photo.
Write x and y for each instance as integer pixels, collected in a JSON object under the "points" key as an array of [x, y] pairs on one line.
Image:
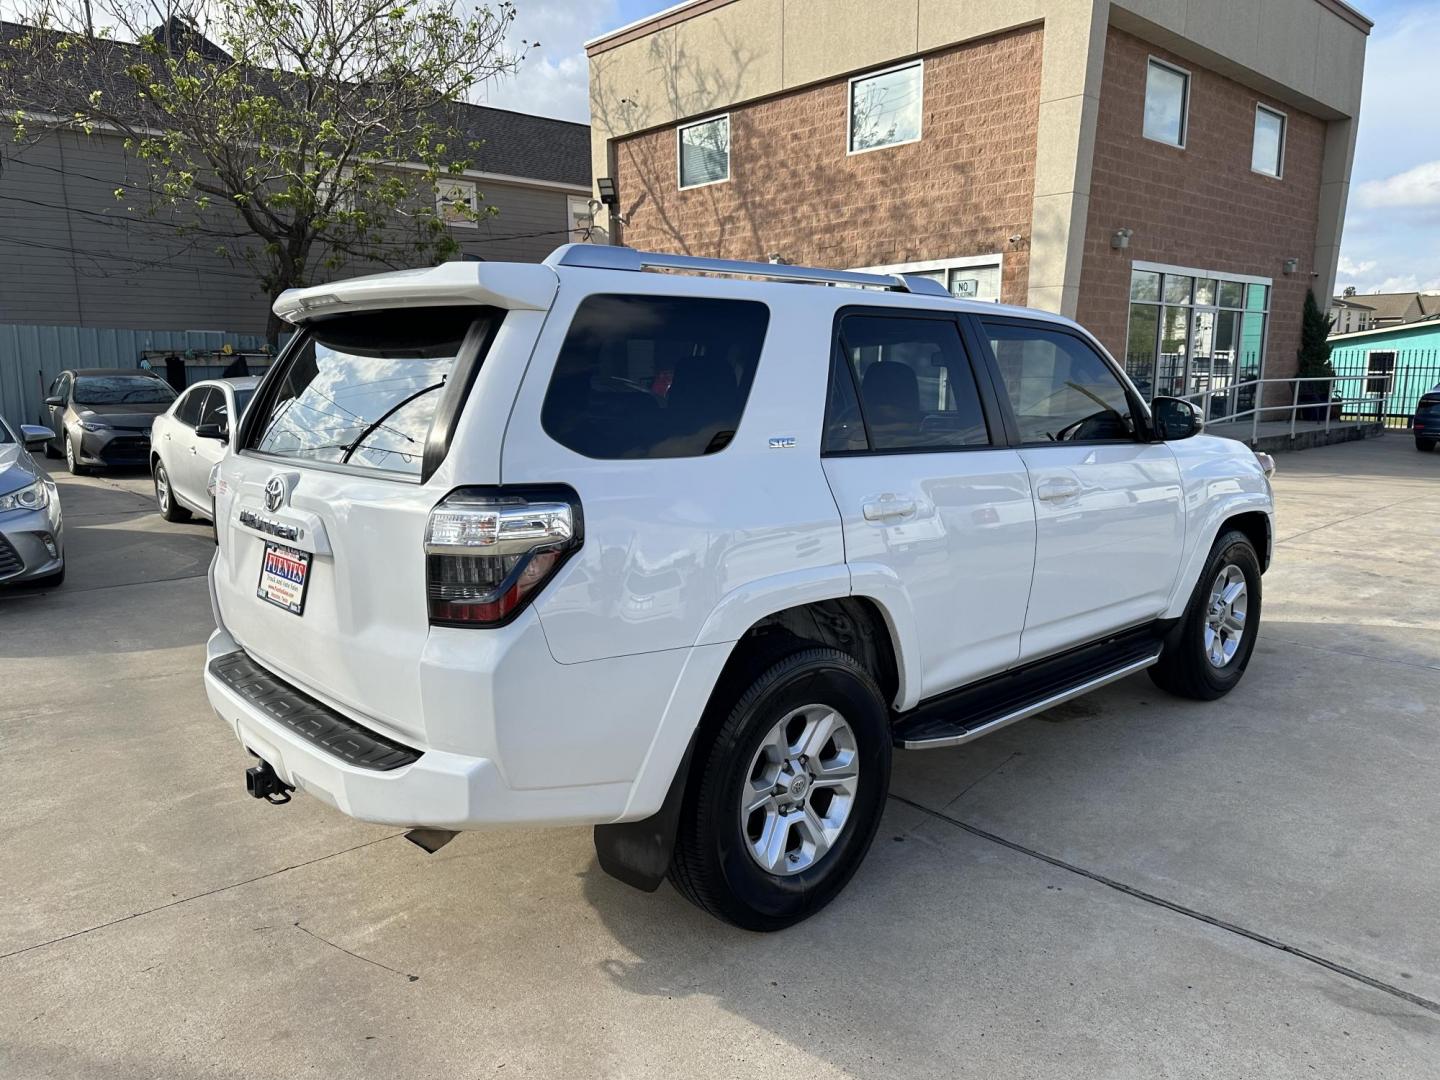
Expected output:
{"points": [[274, 494]]}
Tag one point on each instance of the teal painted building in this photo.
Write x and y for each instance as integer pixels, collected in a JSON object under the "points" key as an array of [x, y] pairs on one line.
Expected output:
{"points": [[1398, 362]]}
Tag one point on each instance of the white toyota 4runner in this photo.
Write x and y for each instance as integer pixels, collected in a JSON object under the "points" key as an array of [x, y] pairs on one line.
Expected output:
{"points": [[682, 548]]}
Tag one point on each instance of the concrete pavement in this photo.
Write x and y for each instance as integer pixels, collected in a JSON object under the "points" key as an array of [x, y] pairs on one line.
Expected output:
{"points": [[1127, 886]]}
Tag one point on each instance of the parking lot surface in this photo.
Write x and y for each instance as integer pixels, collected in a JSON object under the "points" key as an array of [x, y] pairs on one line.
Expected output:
{"points": [[1127, 886]]}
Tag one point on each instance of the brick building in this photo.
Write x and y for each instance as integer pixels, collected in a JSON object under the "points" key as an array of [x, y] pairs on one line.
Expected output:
{"points": [[1173, 173]]}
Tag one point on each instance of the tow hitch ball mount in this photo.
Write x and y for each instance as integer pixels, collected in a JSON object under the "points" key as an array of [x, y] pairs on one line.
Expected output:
{"points": [[262, 782]]}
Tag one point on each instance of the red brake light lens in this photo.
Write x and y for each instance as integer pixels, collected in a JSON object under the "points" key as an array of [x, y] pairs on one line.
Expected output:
{"points": [[488, 551]]}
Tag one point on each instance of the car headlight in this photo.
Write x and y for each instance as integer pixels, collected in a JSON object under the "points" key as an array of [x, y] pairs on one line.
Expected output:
{"points": [[1267, 463], [94, 425], [34, 497]]}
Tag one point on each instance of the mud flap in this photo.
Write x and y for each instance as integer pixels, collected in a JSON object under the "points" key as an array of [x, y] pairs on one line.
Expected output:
{"points": [[638, 852]]}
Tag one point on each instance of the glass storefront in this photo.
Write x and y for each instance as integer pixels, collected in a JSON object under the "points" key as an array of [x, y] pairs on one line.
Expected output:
{"points": [[1192, 331]]}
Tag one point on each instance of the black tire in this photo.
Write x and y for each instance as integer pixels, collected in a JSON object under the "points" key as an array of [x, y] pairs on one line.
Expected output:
{"points": [[711, 865], [169, 509], [1424, 445], [1185, 668], [72, 458]]}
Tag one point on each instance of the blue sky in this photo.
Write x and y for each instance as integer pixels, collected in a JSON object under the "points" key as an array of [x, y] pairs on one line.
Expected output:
{"points": [[1392, 232]]}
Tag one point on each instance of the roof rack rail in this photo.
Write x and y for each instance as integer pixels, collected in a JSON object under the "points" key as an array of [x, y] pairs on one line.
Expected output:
{"points": [[610, 257]]}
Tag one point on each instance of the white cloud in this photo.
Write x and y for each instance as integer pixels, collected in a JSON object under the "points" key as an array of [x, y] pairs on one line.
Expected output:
{"points": [[1350, 268], [1392, 227], [554, 80], [1419, 186]]}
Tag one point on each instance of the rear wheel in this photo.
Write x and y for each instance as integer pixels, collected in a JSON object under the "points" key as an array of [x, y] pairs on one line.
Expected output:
{"points": [[785, 799], [1206, 653], [170, 510], [1424, 444]]}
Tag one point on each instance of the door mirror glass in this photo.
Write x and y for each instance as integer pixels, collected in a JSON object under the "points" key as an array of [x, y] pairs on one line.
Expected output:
{"points": [[35, 436], [212, 431], [1176, 418], [55, 401]]}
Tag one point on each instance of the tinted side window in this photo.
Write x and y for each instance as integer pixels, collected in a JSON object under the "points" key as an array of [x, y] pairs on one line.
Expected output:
{"points": [[188, 412], [1060, 388], [917, 390], [844, 428], [214, 411], [654, 376]]}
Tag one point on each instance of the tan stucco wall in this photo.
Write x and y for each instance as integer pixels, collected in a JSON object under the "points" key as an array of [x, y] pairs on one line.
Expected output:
{"points": [[1308, 53]]}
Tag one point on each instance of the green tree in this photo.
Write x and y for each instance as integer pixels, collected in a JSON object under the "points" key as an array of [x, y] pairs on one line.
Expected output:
{"points": [[299, 134], [1314, 352]]}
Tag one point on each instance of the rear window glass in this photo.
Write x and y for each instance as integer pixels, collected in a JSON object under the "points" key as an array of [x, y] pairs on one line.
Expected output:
{"points": [[363, 389], [122, 390], [654, 376]]}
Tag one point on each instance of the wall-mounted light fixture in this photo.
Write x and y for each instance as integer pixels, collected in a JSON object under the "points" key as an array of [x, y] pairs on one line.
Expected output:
{"points": [[1290, 265], [1120, 239], [608, 195]]}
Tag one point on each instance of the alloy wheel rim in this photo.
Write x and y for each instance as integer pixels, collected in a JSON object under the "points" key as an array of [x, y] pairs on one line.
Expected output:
{"points": [[162, 488], [69, 453], [800, 789], [1225, 617]]}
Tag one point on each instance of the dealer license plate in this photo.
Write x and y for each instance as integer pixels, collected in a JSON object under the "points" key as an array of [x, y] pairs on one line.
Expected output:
{"points": [[284, 573]]}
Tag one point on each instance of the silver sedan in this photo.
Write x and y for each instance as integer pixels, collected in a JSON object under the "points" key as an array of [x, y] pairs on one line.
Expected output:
{"points": [[32, 543]]}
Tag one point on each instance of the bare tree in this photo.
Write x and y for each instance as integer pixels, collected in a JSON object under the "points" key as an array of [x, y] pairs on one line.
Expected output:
{"points": [[331, 129]]}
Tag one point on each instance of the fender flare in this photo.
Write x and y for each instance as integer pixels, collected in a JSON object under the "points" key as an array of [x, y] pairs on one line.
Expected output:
{"points": [[636, 847]]}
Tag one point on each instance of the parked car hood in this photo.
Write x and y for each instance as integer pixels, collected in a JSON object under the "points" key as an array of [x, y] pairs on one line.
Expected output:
{"points": [[15, 468], [123, 414]]}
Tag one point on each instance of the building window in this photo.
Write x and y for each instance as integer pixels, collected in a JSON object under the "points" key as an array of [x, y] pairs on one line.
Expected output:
{"points": [[1268, 154], [705, 152], [1379, 368], [1167, 102], [1196, 330], [885, 108], [456, 203], [582, 219], [974, 277]]}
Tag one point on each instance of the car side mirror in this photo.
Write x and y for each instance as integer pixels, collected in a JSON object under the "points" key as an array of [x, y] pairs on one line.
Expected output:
{"points": [[1176, 418], [35, 436], [212, 431], [55, 400]]}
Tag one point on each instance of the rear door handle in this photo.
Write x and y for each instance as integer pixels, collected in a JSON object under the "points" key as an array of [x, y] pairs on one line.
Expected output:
{"points": [[887, 507], [1056, 490]]}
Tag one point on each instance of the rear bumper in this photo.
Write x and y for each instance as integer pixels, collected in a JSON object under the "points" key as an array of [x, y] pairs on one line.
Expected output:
{"points": [[441, 789]]}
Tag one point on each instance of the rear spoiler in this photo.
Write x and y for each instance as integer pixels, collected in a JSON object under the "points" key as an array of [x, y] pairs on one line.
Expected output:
{"points": [[523, 286]]}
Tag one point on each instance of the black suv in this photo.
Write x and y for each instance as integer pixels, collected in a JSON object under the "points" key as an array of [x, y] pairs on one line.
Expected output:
{"points": [[1427, 419]]}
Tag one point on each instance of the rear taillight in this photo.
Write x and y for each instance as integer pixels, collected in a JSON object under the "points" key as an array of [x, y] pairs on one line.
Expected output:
{"points": [[489, 550]]}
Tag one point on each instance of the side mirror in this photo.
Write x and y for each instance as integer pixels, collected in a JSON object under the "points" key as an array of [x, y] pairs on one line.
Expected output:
{"points": [[1176, 418], [213, 431], [55, 400], [35, 436]]}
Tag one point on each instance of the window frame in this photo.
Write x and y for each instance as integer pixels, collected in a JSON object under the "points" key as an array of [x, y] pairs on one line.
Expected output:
{"points": [[1155, 61], [850, 151], [1284, 117], [995, 422], [680, 130], [1139, 409]]}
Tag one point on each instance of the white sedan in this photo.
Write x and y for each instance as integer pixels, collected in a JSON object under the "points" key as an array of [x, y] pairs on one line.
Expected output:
{"points": [[190, 438]]}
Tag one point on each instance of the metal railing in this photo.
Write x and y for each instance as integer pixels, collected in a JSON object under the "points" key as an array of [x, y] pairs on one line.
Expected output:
{"points": [[1236, 402]]}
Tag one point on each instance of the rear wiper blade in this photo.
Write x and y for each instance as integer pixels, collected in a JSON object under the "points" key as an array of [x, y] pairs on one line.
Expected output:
{"points": [[350, 449]]}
